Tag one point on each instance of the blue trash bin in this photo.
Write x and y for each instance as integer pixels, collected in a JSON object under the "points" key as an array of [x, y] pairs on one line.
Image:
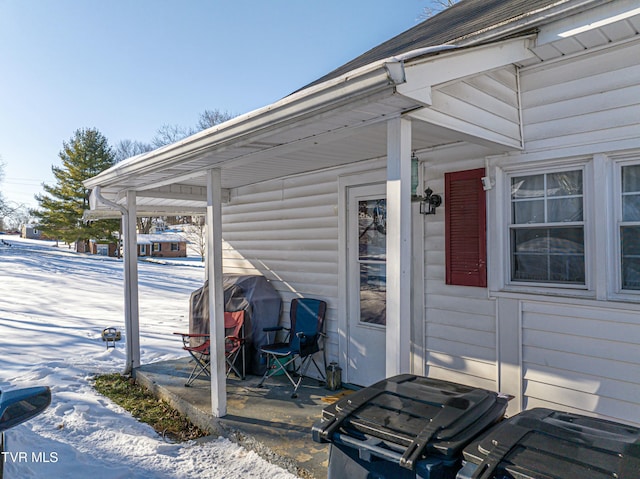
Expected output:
{"points": [[406, 426], [541, 443]]}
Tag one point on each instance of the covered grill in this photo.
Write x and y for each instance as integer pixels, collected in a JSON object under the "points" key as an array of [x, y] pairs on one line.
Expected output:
{"points": [[252, 294]]}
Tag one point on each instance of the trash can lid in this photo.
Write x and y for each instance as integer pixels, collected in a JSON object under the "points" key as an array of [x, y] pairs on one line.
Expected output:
{"points": [[414, 415], [546, 443]]}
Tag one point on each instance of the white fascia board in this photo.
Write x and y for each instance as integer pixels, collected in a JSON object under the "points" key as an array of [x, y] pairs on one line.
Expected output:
{"points": [[180, 192], [144, 211], [422, 75], [466, 130], [280, 115], [591, 19]]}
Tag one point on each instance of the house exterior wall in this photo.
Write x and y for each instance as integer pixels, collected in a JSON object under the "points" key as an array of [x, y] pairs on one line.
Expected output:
{"points": [[581, 352], [165, 250], [30, 232], [96, 248], [460, 332], [569, 348], [288, 231], [488, 101]]}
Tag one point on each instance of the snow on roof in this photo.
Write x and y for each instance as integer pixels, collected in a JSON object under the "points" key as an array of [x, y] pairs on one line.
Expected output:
{"points": [[160, 238]]}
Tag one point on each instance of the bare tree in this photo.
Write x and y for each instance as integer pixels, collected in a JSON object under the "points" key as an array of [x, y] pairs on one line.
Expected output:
{"points": [[127, 148], [196, 235], [209, 118], [436, 6], [167, 134]]}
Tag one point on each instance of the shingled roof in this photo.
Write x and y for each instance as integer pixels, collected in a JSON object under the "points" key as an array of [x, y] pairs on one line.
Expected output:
{"points": [[467, 22]]}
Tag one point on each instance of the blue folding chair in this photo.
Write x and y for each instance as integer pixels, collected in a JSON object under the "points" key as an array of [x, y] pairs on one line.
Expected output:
{"points": [[296, 354]]}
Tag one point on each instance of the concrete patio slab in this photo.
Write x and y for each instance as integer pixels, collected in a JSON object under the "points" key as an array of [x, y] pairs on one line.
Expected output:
{"points": [[266, 420]]}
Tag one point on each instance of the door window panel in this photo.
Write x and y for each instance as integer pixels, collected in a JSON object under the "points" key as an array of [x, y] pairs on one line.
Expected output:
{"points": [[372, 255]]}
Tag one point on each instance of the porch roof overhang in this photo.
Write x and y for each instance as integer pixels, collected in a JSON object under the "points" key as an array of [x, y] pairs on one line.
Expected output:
{"points": [[342, 120], [334, 123]]}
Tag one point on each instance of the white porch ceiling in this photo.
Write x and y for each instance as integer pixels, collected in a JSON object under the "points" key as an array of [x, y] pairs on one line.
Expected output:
{"points": [[345, 136]]}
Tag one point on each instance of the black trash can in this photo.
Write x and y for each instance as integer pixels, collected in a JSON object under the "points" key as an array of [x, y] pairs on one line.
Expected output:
{"points": [[406, 426], [541, 443]]}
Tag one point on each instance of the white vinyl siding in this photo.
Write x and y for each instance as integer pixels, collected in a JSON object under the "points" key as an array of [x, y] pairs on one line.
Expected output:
{"points": [[287, 231], [572, 353], [585, 359], [460, 333], [578, 354], [595, 98], [488, 102], [556, 347]]}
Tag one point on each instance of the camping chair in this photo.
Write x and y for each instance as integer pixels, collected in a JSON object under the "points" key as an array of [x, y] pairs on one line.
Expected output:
{"points": [[303, 341], [198, 346], [234, 342]]}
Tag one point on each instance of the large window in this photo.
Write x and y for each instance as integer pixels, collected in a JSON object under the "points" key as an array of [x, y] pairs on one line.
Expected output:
{"points": [[547, 228], [630, 228]]}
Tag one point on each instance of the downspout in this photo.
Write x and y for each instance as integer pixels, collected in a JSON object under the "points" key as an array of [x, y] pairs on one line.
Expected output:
{"points": [[128, 329], [107, 202]]}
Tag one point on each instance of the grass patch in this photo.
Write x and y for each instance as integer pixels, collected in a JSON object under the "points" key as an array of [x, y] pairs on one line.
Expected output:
{"points": [[146, 408]]}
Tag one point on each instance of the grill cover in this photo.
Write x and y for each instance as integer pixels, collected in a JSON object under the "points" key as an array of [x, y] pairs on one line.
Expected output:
{"points": [[252, 294]]}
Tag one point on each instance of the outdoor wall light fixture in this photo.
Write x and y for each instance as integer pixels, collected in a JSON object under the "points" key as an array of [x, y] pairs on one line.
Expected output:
{"points": [[429, 202]]}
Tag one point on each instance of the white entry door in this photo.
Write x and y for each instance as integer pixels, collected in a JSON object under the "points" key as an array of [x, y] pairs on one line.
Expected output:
{"points": [[367, 277]]}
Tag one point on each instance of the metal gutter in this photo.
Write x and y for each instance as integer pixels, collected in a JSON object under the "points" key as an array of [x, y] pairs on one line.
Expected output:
{"points": [[97, 194], [301, 106]]}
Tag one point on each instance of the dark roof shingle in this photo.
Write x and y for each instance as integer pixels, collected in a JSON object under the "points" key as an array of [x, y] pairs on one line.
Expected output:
{"points": [[463, 20]]}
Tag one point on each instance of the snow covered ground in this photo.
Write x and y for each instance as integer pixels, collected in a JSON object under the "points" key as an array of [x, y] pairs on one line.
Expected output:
{"points": [[54, 305]]}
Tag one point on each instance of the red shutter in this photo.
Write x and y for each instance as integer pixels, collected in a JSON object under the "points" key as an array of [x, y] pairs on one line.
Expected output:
{"points": [[465, 228]]}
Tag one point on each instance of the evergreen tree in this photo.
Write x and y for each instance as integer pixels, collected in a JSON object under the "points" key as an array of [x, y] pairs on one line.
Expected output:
{"points": [[85, 155]]}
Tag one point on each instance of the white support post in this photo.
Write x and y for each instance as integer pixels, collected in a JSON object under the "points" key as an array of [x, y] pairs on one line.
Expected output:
{"points": [[398, 246], [131, 310], [216, 293]]}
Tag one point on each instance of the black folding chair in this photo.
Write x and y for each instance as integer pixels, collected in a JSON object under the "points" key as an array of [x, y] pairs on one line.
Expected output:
{"points": [[303, 341]]}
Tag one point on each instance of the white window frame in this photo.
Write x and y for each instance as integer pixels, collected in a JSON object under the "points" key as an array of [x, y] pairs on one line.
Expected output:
{"points": [[508, 285], [619, 291]]}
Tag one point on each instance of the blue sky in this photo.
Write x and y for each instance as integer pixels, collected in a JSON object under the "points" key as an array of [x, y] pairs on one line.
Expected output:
{"points": [[127, 67]]}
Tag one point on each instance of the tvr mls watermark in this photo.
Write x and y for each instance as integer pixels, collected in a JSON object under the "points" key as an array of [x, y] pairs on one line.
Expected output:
{"points": [[26, 457]]}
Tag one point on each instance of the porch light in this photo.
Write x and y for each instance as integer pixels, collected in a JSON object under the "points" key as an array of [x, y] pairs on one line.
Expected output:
{"points": [[414, 175], [429, 202]]}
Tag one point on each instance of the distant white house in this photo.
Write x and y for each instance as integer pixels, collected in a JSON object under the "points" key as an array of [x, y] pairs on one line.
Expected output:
{"points": [[523, 118]]}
